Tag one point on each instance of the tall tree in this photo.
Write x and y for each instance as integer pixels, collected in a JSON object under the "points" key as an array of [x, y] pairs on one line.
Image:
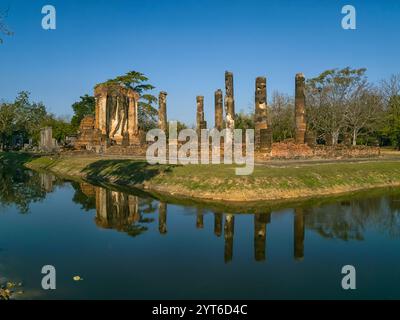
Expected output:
{"points": [[328, 98], [82, 108], [21, 118], [392, 121], [390, 90], [282, 116], [364, 112]]}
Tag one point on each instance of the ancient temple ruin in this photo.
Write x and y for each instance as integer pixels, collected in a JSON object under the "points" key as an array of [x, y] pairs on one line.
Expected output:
{"points": [[117, 114], [89, 137], [47, 143], [115, 121]]}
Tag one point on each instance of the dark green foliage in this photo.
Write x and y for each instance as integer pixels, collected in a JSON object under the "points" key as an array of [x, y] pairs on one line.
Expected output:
{"points": [[82, 108]]}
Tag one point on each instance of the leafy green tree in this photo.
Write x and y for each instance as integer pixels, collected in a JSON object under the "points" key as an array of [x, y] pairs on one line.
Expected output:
{"points": [[282, 116], [392, 121], [6, 123], [244, 121], [328, 97], [21, 118], [61, 127], [82, 108]]}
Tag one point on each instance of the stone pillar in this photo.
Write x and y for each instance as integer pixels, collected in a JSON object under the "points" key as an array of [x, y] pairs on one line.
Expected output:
{"points": [[219, 112], [229, 101], [133, 125], [217, 224], [229, 229], [199, 219], [100, 93], [162, 111], [298, 234], [263, 136], [200, 123], [47, 143], [162, 217], [300, 104]]}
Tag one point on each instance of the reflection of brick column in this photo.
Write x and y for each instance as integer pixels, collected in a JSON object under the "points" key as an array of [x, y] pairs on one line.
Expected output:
{"points": [[162, 217], [298, 234], [300, 104], [263, 137], [200, 123], [217, 224], [199, 219], [162, 111], [219, 113], [229, 229], [260, 233]]}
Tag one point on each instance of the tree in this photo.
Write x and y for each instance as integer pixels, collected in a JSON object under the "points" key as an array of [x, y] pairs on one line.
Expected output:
{"points": [[328, 99], [21, 118], [282, 116], [61, 127], [82, 108], [390, 91], [244, 121], [363, 113], [392, 121], [6, 123], [138, 82], [147, 114]]}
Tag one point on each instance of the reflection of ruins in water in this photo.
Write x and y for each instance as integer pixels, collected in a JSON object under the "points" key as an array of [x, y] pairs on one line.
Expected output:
{"points": [[342, 220], [123, 212], [117, 210]]}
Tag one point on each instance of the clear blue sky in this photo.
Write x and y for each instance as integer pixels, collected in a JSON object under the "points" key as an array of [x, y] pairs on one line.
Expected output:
{"points": [[184, 47]]}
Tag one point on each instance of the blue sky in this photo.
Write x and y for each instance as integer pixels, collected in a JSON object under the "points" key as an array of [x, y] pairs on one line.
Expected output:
{"points": [[184, 47]]}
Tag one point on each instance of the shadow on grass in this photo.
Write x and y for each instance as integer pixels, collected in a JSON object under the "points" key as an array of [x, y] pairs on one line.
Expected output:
{"points": [[13, 159], [124, 171]]}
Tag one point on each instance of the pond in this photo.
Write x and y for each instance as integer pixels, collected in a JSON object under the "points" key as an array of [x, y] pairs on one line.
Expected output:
{"points": [[129, 245]]}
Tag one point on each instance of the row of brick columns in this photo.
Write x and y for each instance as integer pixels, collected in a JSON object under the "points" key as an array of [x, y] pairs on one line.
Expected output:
{"points": [[226, 223], [263, 131]]}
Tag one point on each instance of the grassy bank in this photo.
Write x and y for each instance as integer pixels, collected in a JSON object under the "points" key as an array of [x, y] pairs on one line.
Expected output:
{"points": [[219, 182]]}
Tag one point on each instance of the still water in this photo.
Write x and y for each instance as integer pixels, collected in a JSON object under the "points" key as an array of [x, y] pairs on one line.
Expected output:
{"points": [[131, 246]]}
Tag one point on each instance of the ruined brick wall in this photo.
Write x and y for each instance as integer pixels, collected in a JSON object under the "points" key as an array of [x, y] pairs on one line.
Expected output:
{"points": [[290, 150]]}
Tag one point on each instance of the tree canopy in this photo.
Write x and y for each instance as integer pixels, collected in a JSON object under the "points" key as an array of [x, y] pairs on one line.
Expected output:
{"points": [[22, 120], [82, 108]]}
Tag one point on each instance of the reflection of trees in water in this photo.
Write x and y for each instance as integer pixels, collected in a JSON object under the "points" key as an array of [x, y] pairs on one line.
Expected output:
{"points": [[348, 220], [114, 209], [85, 195], [21, 187]]}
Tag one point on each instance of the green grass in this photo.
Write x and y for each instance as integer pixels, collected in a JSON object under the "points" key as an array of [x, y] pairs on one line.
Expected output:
{"points": [[220, 181]]}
